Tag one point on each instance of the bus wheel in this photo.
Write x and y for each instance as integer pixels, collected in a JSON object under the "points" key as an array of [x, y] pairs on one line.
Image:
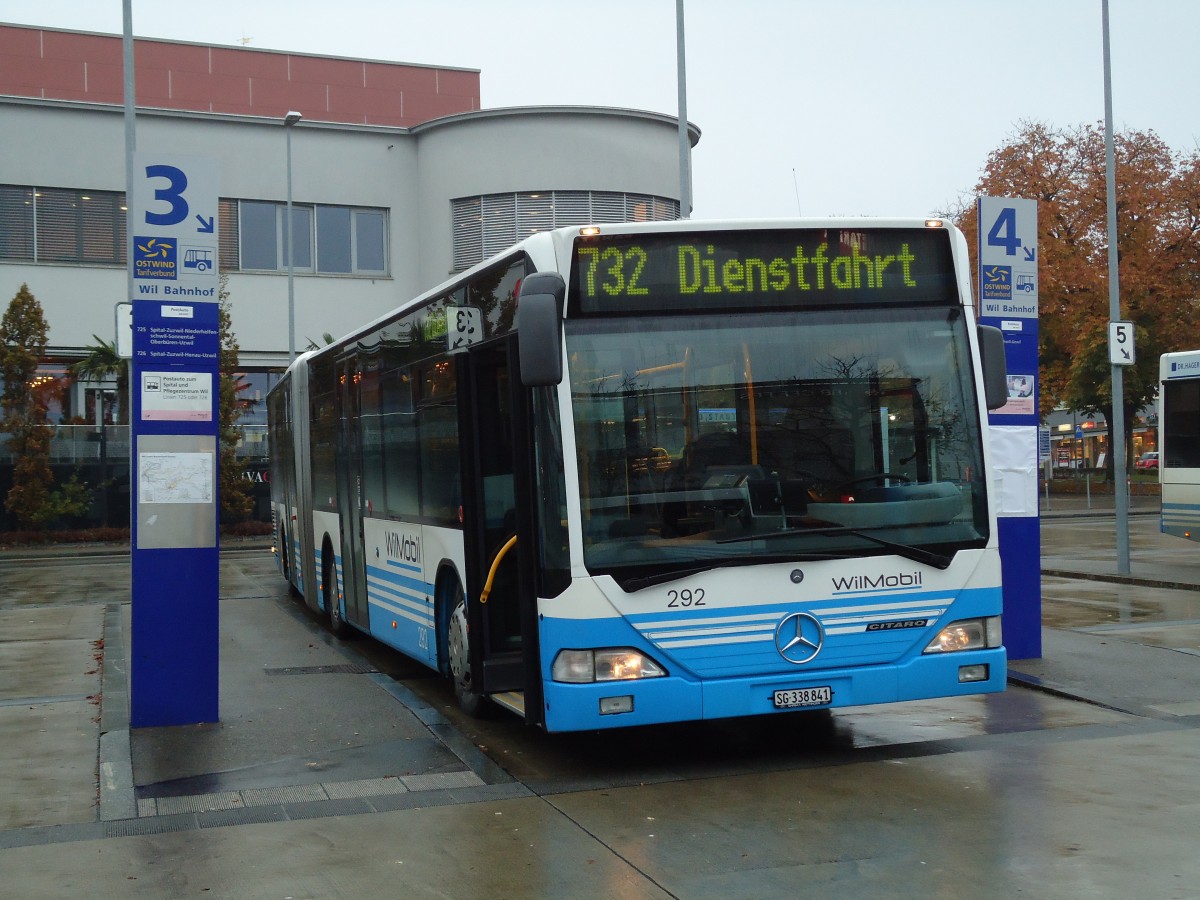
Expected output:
{"points": [[333, 607], [459, 651]]}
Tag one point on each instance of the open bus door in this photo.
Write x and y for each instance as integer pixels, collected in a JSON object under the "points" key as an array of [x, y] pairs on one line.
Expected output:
{"points": [[500, 533]]}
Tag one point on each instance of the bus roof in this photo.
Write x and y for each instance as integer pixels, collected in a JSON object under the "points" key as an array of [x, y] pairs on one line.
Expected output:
{"points": [[548, 247]]}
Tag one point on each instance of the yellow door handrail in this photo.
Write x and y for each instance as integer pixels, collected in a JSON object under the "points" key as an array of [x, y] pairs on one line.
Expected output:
{"points": [[487, 586]]}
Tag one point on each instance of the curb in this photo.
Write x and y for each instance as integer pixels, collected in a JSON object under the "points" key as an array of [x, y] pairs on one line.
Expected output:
{"points": [[1123, 579], [75, 551]]}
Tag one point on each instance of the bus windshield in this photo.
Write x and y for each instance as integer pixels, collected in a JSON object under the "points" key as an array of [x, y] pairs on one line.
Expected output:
{"points": [[705, 439]]}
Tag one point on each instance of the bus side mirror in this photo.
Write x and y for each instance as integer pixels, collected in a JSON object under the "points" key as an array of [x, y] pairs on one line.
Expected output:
{"points": [[539, 329], [995, 371]]}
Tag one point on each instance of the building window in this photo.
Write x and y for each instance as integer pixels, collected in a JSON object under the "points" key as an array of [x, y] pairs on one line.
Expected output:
{"points": [[370, 240], [259, 236], [302, 226], [16, 222], [253, 387], [333, 239], [486, 225], [228, 250], [50, 387], [62, 225], [340, 240], [68, 225]]}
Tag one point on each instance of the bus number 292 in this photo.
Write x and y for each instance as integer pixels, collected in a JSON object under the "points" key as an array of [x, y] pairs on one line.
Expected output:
{"points": [[685, 597]]}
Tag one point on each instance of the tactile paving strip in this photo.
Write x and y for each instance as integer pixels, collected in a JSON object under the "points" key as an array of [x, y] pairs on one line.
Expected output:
{"points": [[342, 669], [301, 793], [368, 787], [307, 793], [194, 803]]}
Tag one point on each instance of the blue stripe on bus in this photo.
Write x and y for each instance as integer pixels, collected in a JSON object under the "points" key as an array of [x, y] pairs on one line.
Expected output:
{"points": [[737, 669], [400, 595], [317, 560], [416, 611], [1181, 513], [741, 641], [393, 595], [398, 582], [297, 570], [764, 619], [1180, 520], [677, 698]]}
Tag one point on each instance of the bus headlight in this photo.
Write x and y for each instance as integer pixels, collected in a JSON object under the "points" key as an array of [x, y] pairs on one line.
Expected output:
{"points": [[968, 634], [610, 664]]}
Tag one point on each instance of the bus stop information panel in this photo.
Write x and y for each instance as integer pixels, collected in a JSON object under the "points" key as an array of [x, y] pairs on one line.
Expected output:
{"points": [[174, 477]]}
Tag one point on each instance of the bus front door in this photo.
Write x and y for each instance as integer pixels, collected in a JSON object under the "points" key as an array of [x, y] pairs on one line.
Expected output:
{"points": [[498, 506]]}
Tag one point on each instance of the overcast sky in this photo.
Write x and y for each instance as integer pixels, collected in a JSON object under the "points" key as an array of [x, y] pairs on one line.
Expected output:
{"points": [[822, 107]]}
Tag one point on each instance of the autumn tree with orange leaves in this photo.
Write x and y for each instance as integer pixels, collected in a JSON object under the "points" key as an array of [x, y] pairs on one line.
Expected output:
{"points": [[1158, 248]]}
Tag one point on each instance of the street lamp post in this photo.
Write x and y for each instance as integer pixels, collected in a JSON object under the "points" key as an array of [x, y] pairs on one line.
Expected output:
{"points": [[685, 167], [1116, 428], [288, 121]]}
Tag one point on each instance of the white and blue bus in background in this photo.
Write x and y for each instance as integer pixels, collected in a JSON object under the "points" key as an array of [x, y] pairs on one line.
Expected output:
{"points": [[1179, 443], [633, 474]]}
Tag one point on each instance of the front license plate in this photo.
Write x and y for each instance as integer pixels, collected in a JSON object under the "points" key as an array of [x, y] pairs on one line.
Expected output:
{"points": [[813, 696]]}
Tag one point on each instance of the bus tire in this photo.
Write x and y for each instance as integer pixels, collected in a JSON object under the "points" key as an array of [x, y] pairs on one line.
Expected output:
{"points": [[333, 605], [458, 649]]}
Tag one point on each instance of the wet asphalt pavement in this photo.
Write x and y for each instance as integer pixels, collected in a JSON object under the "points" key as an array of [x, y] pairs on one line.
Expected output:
{"points": [[340, 769]]}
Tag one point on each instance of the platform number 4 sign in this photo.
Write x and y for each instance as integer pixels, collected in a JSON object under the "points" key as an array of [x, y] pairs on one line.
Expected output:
{"points": [[1003, 232], [1008, 233]]}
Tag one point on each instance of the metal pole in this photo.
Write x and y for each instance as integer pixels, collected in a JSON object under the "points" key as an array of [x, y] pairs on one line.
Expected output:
{"points": [[130, 148], [288, 121], [130, 141], [685, 169], [1116, 431]]}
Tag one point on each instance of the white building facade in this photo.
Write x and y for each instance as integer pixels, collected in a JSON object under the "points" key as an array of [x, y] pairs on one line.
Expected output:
{"points": [[382, 211]]}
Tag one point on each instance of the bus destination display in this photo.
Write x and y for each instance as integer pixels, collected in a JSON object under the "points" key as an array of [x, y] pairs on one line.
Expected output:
{"points": [[755, 269]]}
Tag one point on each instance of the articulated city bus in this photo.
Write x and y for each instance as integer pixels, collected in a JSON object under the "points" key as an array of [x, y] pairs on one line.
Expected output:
{"points": [[644, 473], [1179, 443]]}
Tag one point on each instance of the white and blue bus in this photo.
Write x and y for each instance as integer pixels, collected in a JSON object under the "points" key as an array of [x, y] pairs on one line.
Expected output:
{"points": [[1179, 443], [645, 473]]}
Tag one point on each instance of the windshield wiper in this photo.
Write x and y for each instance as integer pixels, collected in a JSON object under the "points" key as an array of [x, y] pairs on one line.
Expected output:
{"points": [[636, 584], [916, 554]]}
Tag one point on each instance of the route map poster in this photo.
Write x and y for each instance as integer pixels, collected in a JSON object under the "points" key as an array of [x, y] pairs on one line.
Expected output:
{"points": [[175, 477]]}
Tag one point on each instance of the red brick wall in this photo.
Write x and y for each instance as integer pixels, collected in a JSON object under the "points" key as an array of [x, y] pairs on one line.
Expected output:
{"points": [[70, 65]]}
